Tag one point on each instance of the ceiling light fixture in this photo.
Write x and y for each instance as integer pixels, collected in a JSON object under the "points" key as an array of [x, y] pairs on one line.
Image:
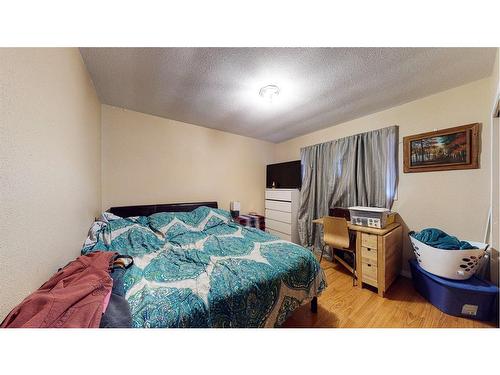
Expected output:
{"points": [[269, 92]]}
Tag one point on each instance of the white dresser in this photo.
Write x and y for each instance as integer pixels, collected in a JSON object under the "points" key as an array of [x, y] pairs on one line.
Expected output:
{"points": [[281, 213]]}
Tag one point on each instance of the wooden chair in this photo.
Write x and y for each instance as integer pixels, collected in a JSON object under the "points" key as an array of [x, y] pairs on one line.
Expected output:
{"points": [[336, 236]]}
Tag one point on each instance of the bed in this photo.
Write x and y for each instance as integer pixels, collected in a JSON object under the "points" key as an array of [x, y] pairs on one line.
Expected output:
{"points": [[195, 267]]}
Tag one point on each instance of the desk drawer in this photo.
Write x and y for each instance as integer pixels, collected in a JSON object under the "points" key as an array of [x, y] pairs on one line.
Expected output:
{"points": [[279, 195], [369, 240], [369, 255], [369, 273], [279, 226], [280, 206]]}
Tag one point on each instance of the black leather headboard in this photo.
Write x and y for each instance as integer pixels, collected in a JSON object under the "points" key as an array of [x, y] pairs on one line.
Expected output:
{"points": [[146, 210]]}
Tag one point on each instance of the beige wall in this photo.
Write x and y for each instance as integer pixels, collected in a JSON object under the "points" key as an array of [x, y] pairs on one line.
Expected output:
{"points": [[456, 201], [50, 165], [148, 159]]}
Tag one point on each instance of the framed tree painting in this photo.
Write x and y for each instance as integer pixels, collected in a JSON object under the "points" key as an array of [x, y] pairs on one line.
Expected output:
{"points": [[442, 150]]}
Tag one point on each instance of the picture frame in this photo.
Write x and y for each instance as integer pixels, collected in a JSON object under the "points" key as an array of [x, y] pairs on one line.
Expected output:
{"points": [[442, 150]]}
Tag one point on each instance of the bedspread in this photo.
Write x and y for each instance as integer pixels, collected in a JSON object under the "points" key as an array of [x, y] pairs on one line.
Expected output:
{"points": [[200, 269]]}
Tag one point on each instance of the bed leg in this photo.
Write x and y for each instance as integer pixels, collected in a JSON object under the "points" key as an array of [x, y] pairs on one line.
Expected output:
{"points": [[314, 305]]}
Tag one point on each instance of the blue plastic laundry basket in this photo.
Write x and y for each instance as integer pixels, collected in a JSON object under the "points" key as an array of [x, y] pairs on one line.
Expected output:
{"points": [[473, 298]]}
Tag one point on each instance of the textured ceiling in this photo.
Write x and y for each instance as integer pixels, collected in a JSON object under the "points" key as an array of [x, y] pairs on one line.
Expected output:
{"points": [[320, 87]]}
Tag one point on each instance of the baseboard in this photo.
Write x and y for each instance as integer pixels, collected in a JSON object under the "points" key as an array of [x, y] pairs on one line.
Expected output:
{"points": [[405, 273]]}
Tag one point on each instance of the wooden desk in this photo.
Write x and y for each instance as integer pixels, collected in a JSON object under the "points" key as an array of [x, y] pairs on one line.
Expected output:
{"points": [[378, 254]]}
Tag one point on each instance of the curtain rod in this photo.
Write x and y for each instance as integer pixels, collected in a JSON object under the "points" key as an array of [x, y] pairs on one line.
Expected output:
{"points": [[354, 135]]}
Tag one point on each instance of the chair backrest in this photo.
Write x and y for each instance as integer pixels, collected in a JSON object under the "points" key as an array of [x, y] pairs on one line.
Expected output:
{"points": [[336, 232], [340, 212]]}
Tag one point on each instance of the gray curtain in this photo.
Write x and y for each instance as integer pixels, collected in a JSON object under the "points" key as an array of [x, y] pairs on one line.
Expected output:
{"points": [[360, 170]]}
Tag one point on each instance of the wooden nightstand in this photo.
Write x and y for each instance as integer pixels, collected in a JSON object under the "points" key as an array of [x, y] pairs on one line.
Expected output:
{"points": [[378, 255]]}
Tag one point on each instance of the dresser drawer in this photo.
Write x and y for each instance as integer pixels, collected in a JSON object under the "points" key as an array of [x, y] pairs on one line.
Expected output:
{"points": [[279, 226], [280, 206], [369, 273], [369, 240], [283, 236], [285, 217], [369, 255], [279, 195]]}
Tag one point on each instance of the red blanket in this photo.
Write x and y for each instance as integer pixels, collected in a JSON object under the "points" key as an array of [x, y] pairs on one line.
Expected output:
{"points": [[72, 298]]}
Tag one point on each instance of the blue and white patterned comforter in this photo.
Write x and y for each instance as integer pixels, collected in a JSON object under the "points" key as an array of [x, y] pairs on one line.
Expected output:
{"points": [[200, 269]]}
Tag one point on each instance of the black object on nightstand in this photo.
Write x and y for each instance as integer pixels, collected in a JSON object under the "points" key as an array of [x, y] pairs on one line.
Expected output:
{"points": [[252, 220]]}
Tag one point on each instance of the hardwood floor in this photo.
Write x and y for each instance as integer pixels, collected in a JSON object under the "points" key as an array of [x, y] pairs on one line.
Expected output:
{"points": [[343, 305]]}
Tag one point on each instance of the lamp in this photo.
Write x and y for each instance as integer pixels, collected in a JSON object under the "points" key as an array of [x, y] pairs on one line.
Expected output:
{"points": [[235, 209], [269, 92]]}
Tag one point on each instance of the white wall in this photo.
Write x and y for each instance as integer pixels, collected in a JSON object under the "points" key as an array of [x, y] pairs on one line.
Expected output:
{"points": [[455, 201], [50, 165], [148, 159]]}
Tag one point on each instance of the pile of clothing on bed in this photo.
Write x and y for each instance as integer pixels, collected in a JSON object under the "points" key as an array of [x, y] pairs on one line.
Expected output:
{"points": [[87, 293]]}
